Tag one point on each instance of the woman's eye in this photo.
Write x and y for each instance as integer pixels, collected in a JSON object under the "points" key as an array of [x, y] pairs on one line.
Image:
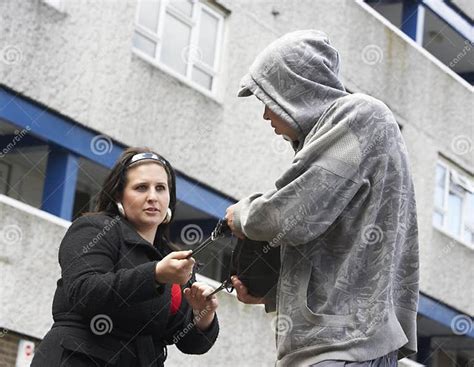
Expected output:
{"points": [[141, 187], [160, 188]]}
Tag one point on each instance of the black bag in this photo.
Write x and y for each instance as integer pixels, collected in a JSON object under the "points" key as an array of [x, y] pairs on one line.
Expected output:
{"points": [[257, 265]]}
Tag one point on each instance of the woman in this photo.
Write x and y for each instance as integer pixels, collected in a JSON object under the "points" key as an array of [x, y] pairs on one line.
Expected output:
{"points": [[119, 300]]}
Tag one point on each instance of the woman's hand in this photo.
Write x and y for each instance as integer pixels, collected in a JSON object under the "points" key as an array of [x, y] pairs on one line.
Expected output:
{"points": [[229, 216], [175, 268], [243, 293], [203, 309]]}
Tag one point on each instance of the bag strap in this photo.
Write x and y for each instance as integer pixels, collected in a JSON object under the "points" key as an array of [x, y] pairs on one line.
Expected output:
{"points": [[222, 228]]}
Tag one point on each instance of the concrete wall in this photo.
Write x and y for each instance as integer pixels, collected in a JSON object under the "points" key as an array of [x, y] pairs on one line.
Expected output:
{"points": [[29, 242], [28, 266]]}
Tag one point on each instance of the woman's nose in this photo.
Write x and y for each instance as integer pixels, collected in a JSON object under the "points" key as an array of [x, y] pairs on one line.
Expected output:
{"points": [[152, 195]]}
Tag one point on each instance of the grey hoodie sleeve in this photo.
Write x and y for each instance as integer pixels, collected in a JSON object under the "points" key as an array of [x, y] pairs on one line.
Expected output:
{"points": [[297, 212]]}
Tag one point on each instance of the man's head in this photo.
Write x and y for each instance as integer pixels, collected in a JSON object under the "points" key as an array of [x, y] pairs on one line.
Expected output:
{"points": [[296, 77]]}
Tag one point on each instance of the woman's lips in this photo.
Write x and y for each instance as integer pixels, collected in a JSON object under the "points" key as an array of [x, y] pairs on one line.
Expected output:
{"points": [[152, 211]]}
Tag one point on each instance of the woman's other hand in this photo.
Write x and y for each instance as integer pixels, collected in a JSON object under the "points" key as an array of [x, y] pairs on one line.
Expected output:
{"points": [[203, 309], [175, 268]]}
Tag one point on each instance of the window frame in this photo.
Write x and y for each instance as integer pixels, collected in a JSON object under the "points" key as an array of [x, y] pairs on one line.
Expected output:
{"points": [[55, 4], [199, 6], [445, 209]]}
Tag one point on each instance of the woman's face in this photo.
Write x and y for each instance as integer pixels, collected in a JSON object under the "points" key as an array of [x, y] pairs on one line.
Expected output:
{"points": [[146, 195]]}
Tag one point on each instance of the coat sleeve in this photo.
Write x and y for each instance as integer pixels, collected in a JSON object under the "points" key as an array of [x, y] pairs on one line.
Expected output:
{"points": [[191, 340], [87, 258], [297, 212]]}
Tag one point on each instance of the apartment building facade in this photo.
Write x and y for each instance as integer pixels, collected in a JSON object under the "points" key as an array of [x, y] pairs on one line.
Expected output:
{"points": [[82, 80]]}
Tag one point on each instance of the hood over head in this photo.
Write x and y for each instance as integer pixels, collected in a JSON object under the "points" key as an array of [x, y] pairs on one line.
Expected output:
{"points": [[296, 77]]}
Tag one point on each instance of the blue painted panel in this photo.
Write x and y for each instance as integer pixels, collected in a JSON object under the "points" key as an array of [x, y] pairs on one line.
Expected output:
{"points": [[57, 129], [410, 19], [60, 183], [446, 316], [192, 193]]}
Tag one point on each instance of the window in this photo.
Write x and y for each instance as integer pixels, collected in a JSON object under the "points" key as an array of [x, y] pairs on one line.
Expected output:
{"points": [[440, 27], [454, 204], [182, 37], [56, 4], [90, 178]]}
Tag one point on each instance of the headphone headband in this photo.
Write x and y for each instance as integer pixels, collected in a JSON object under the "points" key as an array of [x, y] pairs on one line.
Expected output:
{"points": [[150, 156]]}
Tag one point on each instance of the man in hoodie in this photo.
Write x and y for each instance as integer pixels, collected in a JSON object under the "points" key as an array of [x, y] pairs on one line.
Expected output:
{"points": [[343, 214]]}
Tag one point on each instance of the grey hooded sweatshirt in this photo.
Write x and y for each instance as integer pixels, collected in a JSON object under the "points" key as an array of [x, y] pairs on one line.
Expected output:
{"points": [[343, 214]]}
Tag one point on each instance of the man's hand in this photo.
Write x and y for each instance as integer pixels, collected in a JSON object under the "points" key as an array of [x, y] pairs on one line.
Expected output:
{"points": [[243, 294], [229, 216]]}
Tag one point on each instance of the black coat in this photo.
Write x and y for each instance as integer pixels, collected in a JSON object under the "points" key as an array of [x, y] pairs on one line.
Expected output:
{"points": [[108, 309]]}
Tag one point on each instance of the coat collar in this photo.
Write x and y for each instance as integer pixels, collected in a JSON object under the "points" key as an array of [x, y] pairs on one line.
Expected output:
{"points": [[131, 236]]}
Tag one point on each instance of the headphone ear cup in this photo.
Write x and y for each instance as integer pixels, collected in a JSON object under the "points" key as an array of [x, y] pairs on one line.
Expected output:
{"points": [[120, 209], [169, 215]]}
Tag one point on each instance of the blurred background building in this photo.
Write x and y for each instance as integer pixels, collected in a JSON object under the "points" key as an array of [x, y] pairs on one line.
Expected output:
{"points": [[82, 80]]}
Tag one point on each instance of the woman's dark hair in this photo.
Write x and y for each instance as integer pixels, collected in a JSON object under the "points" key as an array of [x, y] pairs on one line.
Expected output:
{"points": [[114, 184]]}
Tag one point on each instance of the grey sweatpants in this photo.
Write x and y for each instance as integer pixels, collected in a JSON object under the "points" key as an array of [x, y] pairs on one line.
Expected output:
{"points": [[388, 360]]}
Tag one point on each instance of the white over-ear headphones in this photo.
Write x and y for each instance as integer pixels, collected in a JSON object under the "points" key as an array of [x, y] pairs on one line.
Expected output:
{"points": [[169, 215], [121, 209]]}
